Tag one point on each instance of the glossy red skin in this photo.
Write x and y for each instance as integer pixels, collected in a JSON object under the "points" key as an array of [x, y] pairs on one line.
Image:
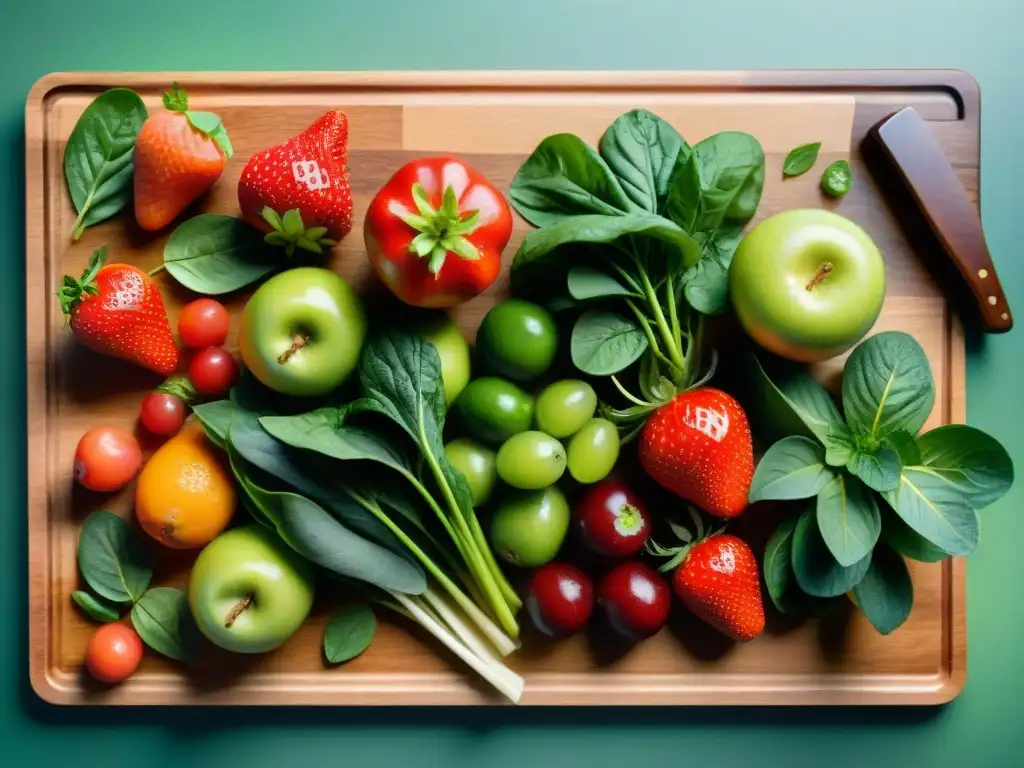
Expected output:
{"points": [[635, 599], [560, 600], [106, 459], [203, 323], [113, 653], [604, 505], [161, 413], [388, 237], [212, 371]]}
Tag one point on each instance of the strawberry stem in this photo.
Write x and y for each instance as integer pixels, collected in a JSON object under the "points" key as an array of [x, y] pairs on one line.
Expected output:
{"points": [[440, 230], [72, 291], [176, 99]]}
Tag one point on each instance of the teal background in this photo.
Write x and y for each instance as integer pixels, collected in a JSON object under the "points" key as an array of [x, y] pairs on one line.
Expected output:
{"points": [[982, 727]]}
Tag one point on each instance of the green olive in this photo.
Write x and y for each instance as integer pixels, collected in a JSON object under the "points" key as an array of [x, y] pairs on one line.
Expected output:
{"points": [[517, 339], [493, 409], [837, 178], [477, 463], [593, 451], [531, 460], [529, 527], [564, 407]]}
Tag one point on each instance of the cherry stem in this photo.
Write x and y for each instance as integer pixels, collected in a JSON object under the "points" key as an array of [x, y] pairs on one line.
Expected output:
{"points": [[237, 610], [297, 343], [823, 271]]}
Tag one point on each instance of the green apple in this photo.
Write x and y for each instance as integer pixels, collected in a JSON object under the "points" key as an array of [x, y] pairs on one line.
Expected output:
{"points": [[301, 331], [248, 591], [807, 284], [439, 329]]}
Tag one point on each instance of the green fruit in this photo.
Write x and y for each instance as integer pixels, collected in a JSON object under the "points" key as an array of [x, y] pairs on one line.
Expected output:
{"points": [[564, 407], [531, 460], [593, 451], [439, 329], [529, 526], [517, 340], [248, 591], [301, 332], [477, 463], [493, 409]]}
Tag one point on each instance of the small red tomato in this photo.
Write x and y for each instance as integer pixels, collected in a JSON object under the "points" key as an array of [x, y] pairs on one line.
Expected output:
{"points": [[560, 600], [113, 653], [212, 371], [203, 323], [106, 459], [612, 520], [635, 599], [161, 413]]}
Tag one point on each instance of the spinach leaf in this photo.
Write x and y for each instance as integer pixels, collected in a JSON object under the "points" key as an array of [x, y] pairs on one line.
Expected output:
{"points": [[586, 282], [163, 621], [933, 506], [349, 632], [905, 540], [783, 590], [112, 559], [972, 461], [565, 177], [604, 343], [801, 159], [215, 417], [793, 468], [887, 385], [98, 156], [848, 519], [879, 469], [642, 149], [95, 607], [885, 595], [817, 572], [790, 402], [706, 283], [215, 254]]}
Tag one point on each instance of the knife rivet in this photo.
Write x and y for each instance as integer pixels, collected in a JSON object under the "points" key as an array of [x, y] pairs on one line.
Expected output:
{"points": [[1005, 316], [992, 300], [982, 273]]}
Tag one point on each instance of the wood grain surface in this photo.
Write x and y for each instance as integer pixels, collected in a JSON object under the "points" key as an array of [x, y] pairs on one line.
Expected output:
{"points": [[494, 119]]}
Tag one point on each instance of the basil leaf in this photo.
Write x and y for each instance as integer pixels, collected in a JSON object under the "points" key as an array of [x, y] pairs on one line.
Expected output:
{"points": [[706, 283], [885, 595], [112, 559], [642, 149], [779, 578], [349, 632], [801, 159], [585, 282], [163, 621], [848, 519], [98, 156], [565, 177], [908, 542], [878, 469], [96, 608], [972, 461], [839, 447], [789, 402], [216, 419], [179, 386], [905, 446], [933, 506], [793, 468], [604, 343], [215, 254], [817, 571], [887, 385]]}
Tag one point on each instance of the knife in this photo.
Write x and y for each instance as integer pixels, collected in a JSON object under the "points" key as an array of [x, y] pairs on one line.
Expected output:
{"points": [[913, 157]]}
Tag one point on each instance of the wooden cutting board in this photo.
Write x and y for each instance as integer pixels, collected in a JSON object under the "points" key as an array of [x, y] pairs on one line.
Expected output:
{"points": [[495, 120]]}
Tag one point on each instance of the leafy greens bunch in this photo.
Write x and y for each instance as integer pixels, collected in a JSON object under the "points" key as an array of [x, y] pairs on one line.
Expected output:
{"points": [[878, 489]]}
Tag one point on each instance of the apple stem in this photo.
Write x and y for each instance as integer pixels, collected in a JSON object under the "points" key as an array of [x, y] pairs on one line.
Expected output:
{"points": [[297, 343], [237, 610], [823, 271]]}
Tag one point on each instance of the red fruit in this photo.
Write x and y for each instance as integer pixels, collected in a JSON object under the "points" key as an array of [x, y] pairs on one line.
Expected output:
{"points": [[161, 413], [116, 310], [113, 653], [612, 520], [179, 155], [698, 446], [203, 323], [718, 580], [106, 459], [212, 371], [308, 174], [560, 600], [636, 600]]}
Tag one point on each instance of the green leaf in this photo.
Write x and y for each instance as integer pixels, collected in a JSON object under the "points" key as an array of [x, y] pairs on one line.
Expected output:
{"points": [[163, 621], [96, 608], [790, 402], [817, 571], [848, 519], [563, 178], [98, 156], [908, 542], [641, 150], [216, 418], [972, 461], [793, 468], [211, 125], [175, 99], [179, 386], [349, 632], [112, 559], [272, 218], [801, 159], [878, 469], [933, 505], [291, 224], [706, 283], [604, 343], [887, 385], [586, 282], [215, 254], [839, 447], [885, 595], [779, 578], [905, 446]]}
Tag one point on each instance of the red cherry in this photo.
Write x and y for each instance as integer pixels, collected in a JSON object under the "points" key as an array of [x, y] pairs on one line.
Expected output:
{"points": [[161, 413], [212, 371], [635, 599], [612, 520], [203, 323], [560, 600]]}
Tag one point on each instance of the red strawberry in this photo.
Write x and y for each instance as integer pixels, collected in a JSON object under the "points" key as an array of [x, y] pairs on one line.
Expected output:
{"points": [[309, 174], [179, 154], [116, 310], [698, 446]]}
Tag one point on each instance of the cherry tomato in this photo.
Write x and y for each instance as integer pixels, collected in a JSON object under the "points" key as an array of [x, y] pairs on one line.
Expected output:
{"points": [[203, 323], [212, 371], [161, 413], [113, 653], [106, 459], [635, 599], [560, 600], [612, 520]]}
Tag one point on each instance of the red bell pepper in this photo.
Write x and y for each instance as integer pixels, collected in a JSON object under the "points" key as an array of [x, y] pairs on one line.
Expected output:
{"points": [[435, 232]]}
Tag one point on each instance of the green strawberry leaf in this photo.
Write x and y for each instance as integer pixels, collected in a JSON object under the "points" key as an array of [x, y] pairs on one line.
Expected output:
{"points": [[176, 99], [211, 125]]}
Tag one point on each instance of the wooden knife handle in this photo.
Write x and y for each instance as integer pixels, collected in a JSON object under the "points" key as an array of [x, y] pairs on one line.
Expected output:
{"points": [[925, 171]]}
